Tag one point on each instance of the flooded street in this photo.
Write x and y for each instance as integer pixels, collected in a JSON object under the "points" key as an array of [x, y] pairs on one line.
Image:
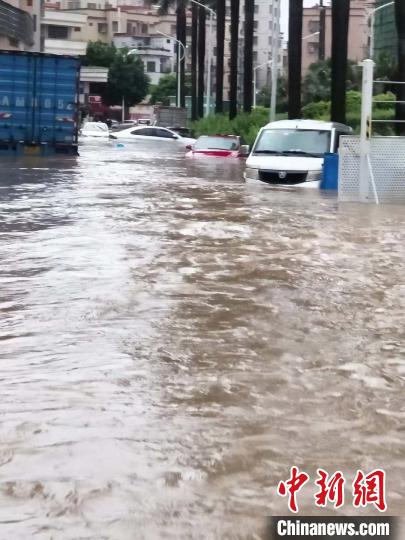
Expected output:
{"points": [[173, 340]]}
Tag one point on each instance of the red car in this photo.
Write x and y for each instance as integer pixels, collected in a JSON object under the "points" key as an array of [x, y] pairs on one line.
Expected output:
{"points": [[218, 146]]}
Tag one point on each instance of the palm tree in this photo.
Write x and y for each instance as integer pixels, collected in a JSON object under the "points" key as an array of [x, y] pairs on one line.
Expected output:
{"points": [[340, 32], [294, 58], [219, 94], [181, 26], [248, 55], [194, 45], [233, 91], [400, 22], [201, 60]]}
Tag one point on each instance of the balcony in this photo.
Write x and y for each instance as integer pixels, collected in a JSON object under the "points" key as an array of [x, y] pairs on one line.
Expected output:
{"points": [[16, 24], [65, 46], [64, 18]]}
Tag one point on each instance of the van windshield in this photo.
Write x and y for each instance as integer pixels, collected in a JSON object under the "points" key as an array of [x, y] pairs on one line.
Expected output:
{"points": [[302, 142]]}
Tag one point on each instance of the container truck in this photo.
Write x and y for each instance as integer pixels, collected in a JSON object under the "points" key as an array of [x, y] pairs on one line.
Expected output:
{"points": [[170, 116], [38, 103]]}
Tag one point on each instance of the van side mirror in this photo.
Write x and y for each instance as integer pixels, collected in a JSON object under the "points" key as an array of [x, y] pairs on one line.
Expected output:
{"points": [[244, 150]]}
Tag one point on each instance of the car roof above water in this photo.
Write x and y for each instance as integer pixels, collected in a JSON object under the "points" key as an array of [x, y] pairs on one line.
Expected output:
{"points": [[308, 124]]}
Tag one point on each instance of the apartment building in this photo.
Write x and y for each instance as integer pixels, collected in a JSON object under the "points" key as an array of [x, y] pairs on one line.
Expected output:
{"points": [[156, 52], [386, 36], [20, 28], [137, 26], [266, 13], [358, 32], [64, 32]]}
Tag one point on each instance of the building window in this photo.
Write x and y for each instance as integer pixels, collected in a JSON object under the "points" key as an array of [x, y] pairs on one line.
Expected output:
{"points": [[34, 22], [29, 3], [77, 29], [74, 4], [144, 28], [255, 25], [13, 42], [115, 26], [151, 67], [91, 5], [102, 28], [256, 8], [313, 48], [58, 32], [255, 40], [313, 26]]}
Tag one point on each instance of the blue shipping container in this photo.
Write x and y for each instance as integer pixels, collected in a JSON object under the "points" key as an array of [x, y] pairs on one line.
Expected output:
{"points": [[38, 102]]}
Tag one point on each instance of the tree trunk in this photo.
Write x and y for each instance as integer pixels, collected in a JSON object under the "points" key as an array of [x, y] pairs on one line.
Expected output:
{"points": [[295, 58], [219, 94], [322, 31], [233, 91], [194, 69], [340, 32], [248, 55], [181, 23], [201, 60], [400, 88]]}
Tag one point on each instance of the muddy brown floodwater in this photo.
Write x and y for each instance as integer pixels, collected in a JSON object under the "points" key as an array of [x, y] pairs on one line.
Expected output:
{"points": [[173, 340]]}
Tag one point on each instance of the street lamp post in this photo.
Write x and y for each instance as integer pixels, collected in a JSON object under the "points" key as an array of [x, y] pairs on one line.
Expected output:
{"points": [[371, 22], [179, 60], [209, 72], [255, 79], [311, 35], [274, 54], [132, 51]]}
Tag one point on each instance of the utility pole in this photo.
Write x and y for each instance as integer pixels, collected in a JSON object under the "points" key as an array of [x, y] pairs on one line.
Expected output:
{"points": [[322, 30]]}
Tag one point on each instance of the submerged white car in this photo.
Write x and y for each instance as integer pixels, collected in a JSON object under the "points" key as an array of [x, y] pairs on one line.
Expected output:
{"points": [[291, 152], [153, 134], [95, 130]]}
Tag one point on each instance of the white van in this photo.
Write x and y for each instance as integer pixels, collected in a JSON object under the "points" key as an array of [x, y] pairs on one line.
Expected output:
{"points": [[291, 152]]}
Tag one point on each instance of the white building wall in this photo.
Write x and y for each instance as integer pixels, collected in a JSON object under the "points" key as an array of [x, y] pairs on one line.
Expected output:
{"points": [[65, 43], [262, 40]]}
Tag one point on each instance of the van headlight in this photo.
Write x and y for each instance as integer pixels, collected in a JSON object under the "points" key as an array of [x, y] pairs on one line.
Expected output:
{"points": [[251, 173]]}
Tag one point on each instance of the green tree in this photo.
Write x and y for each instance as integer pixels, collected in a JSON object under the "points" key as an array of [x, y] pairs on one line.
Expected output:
{"points": [[167, 87], [263, 97], [317, 82], [99, 54], [126, 79]]}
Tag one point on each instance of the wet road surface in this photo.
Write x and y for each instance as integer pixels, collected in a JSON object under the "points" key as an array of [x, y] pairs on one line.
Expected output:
{"points": [[173, 340]]}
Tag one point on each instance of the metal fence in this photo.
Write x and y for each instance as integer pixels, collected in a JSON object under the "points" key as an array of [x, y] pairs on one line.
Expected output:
{"points": [[387, 159], [372, 169]]}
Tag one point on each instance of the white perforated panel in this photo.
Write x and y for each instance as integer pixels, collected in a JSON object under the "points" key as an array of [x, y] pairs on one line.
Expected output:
{"points": [[388, 163]]}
